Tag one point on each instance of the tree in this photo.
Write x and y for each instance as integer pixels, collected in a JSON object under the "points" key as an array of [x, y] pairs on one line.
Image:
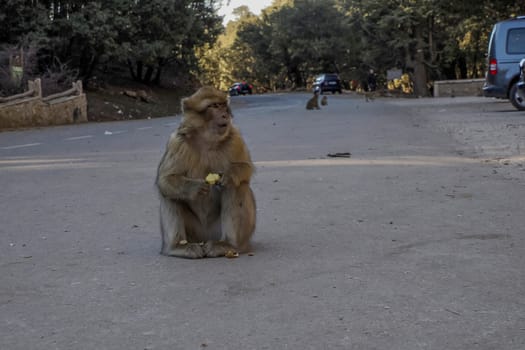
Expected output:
{"points": [[291, 40], [146, 35], [294, 40], [167, 32], [22, 22], [86, 35], [227, 60]]}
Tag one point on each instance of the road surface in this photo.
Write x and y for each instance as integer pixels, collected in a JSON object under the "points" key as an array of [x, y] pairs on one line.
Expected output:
{"points": [[414, 242]]}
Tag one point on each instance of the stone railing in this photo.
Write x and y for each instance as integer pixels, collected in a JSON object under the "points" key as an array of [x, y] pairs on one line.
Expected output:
{"points": [[454, 88], [31, 109]]}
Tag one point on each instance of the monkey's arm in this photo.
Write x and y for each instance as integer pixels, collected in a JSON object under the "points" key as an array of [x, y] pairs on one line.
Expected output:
{"points": [[171, 180], [239, 172], [241, 167], [180, 187]]}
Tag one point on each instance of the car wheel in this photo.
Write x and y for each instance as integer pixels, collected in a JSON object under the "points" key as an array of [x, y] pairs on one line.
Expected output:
{"points": [[517, 97]]}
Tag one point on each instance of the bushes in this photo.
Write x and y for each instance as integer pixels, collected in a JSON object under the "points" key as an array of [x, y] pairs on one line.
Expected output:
{"points": [[55, 77]]}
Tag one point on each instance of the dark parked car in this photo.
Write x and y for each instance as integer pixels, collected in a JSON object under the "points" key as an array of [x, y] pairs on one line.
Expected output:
{"points": [[520, 92], [505, 51], [328, 82], [240, 89]]}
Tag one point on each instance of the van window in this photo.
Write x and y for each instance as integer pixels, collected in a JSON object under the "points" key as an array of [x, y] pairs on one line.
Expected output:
{"points": [[516, 41]]}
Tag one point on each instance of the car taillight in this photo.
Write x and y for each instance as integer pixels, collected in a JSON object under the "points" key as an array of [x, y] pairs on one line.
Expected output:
{"points": [[493, 66]]}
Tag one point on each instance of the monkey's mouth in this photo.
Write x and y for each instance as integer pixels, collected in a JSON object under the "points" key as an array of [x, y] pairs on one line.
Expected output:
{"points": [[222, 127]]}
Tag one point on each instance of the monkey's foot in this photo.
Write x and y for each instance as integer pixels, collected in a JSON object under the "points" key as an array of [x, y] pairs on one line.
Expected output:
{"points": [[215, 249], [187, 250]]}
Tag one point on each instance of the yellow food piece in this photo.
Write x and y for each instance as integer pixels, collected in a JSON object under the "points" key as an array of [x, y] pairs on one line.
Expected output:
{"points": [[212, 178], [183, 242], [231, 254]]}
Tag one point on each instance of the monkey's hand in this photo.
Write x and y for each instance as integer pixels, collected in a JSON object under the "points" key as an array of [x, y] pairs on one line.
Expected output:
{"points": [[194, 188], [181, 187], [229, 179], [201, 188]]}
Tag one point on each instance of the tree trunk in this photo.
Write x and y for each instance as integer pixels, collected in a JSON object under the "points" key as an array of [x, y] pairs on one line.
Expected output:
{"points": [[297, 78], [156, 80], [92, 66], [148, 75], [462, 67], [131, 70], [140, 67], [420, 69]]}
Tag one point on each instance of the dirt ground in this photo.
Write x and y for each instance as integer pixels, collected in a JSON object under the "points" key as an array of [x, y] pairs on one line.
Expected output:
{"points": [[132, 101]]}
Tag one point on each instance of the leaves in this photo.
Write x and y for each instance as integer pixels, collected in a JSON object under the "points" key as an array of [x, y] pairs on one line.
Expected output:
{"points": [[284, 47], [87, 34], [294, 40]]}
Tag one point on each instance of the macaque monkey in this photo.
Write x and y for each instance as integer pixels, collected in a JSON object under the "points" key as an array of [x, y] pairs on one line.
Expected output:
{"points": [[313, 103], [324, 101], [199, 219]]}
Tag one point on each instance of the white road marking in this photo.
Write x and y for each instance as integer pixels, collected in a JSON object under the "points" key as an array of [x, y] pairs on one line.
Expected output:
{"points": [[83, 137], [118, 132], [78, 138], [107, 132], [22, 146]]}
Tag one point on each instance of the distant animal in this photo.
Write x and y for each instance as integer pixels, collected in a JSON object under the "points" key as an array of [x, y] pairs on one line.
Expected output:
{"points": [[313, 103], [369, 96], [324, 100]]}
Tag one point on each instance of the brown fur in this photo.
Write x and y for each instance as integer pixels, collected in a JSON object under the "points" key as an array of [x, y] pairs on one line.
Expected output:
{"points": [[313, 103], [324, 101], [221, 216]]}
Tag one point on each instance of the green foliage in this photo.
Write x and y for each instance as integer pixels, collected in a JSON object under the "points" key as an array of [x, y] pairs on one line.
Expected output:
{"points": [[21, 23], [295, 39], [284, 47], [144, 35], [83, 37]]}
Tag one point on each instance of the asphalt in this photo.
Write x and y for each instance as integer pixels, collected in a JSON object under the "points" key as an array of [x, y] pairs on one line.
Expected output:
{"points": [[415, 241]]}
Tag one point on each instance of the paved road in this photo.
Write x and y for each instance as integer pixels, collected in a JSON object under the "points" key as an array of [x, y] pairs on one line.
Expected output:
{"points": [[408, 244]]}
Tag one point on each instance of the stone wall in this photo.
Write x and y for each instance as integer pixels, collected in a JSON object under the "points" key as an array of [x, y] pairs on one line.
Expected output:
{"points": [[31, 109], [463, 87]]}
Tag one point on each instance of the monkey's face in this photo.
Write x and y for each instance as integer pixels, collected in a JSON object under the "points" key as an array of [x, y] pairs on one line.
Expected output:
{"points": [[219, 118]]}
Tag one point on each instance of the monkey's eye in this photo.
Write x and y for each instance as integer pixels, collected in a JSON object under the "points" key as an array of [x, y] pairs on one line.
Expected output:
{"points": [[217, 105]]}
